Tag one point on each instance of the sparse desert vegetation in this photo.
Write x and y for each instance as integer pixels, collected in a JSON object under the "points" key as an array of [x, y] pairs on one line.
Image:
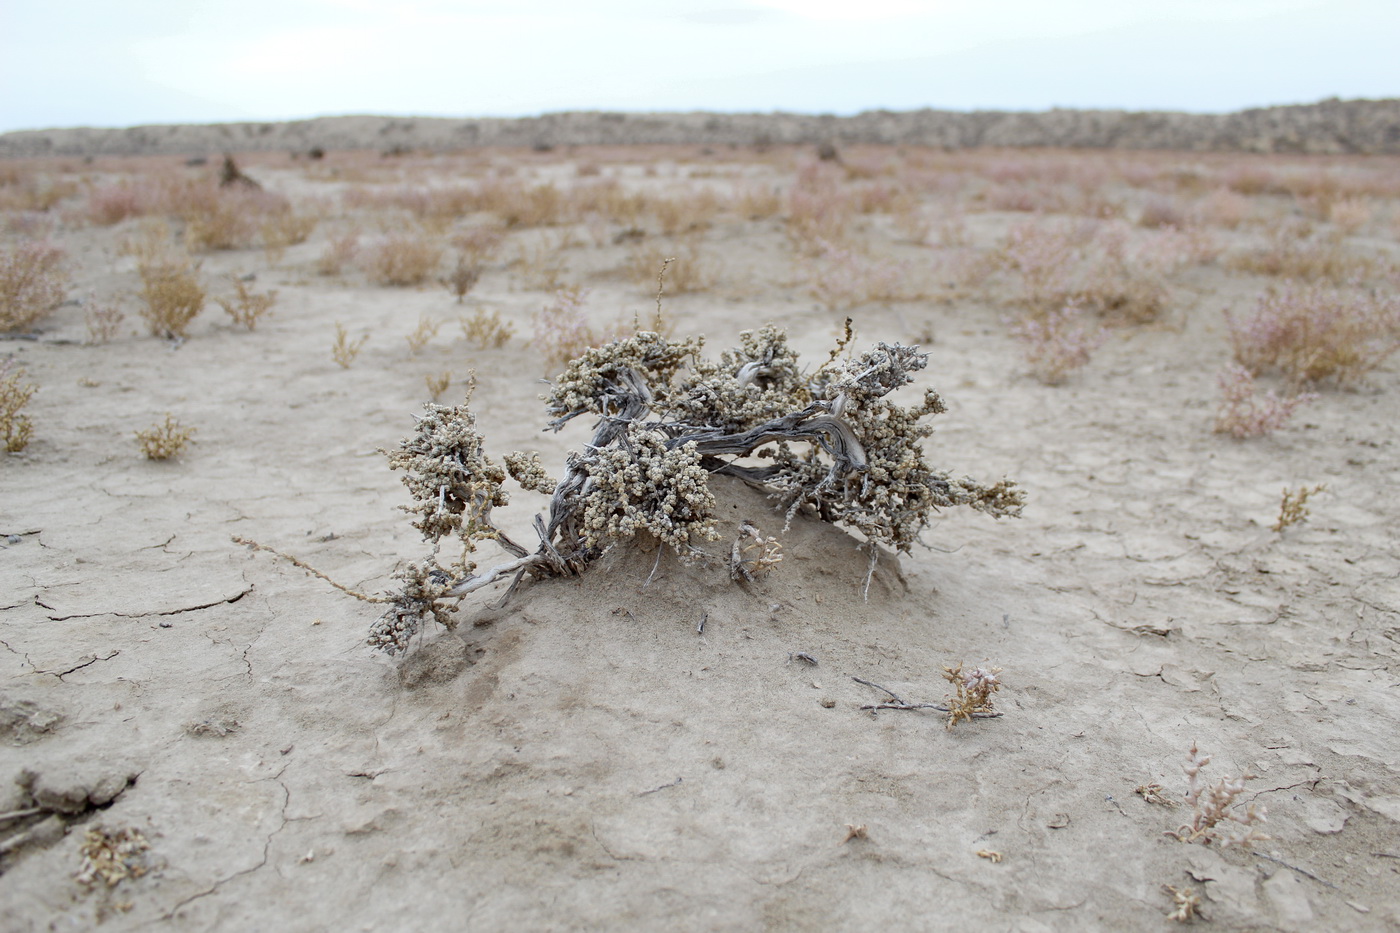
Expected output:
{"points": [[1150, 344]]}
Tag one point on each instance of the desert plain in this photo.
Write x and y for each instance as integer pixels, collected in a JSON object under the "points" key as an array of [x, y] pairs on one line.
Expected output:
{"points": [[197, 736]]}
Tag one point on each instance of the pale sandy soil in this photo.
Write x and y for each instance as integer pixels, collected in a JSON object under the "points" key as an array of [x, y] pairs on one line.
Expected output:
{"points": [[584, 758]]}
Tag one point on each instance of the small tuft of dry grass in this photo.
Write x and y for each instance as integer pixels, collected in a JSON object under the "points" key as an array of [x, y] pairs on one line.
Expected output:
{"points": [[166, 440], [485, 330], [344, 350], [974, 691], [438, 384], [246, 306], [426, 330], [1293, 508], [103, 320], [340, 252], [463, 278], [15, 428]]}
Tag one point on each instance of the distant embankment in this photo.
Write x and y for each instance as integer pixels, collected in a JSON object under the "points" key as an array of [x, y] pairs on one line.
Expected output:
{"points": [[1332, 126]]}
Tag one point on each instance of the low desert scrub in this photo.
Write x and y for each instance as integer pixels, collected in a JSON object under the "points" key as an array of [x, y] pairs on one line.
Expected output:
{"points": [[1161, 212], [487, 330], [1100, 268], [476, 246], [401, 259], [1215, 817], [1312, 333], [111, 204], [282, 229], [561, 328], [1293, 508], [463, 278], [1349, 215], [103, 320], [344, 350], [246, 306], [1295, 251], [1060, 342], [820, 212], [1222, 208], [842, 277], [539, 265], [15, 393], [32, 283], [166, 440], [687, 269], [835, 447], [438, 384], [1244, 412], [171, 296], [229, 218], [340, 252], [426, 330]]}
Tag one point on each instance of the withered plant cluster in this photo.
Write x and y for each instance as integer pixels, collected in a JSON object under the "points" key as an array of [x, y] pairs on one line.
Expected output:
{"points": [[827, 442], [1215, 816], [32, 283], [15, 393]]}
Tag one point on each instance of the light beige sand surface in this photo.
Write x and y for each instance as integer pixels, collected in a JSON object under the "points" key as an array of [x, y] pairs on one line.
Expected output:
{"points": [[584, 758]]}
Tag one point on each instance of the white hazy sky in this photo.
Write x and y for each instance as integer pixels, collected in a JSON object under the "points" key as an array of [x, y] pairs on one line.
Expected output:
{"points": [[128, 62]]}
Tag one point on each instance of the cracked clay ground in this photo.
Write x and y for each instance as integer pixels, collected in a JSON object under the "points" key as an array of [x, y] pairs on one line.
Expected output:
{"points": [[586, 758]]}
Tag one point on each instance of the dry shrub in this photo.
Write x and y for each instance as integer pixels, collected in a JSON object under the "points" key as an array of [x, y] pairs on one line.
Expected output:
{"points": [[426, 330], [539, 264], [758, 202], [1160, 211], [32, 283], [463, 278], [111, 204], [1312, 333], [478, 245], [344, 350], [438, 384], [1098, 269], [1059, 342], [400, 259], [340, 251], [166, 440], [686, 212], [15, 393], [562, 332], [227, 218], [1349, 215], [1243, 412], [1222, 208], [842, 277], [1295, 251], [285, 228], [689, 270], [819, 211], [103, 320], [485, 330], [245, 306], [172, 296]]}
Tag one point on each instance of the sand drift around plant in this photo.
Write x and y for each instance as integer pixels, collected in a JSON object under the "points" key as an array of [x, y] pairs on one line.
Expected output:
{"points": [[826, 442]]}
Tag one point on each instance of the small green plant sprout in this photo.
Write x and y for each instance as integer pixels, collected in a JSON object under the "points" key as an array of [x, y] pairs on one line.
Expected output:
{"points": [[15, 393], [1215, 818], [1294, 506], [1186, 904], [425, 331], [973, 692], [485, 330], [438, 384], [246, 306], [463, 278], [344, 350], [165, 441], [752, 555]]}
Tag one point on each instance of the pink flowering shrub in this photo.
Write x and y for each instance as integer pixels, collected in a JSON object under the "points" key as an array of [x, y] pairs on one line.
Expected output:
{"points": [[1059, 342], [1244, 412], [842, 277], [1312, 333], [32, 283]]}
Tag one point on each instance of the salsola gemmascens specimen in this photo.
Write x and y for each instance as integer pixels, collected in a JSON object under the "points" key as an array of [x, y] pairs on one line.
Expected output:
{"points": [[666, 420]]}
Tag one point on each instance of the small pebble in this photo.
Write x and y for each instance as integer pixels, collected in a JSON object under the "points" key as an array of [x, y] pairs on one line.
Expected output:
{"points": [[13, 539]]}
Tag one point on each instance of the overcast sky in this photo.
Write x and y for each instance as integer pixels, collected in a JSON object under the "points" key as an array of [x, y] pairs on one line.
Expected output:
{"points": [[129, 62]]}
